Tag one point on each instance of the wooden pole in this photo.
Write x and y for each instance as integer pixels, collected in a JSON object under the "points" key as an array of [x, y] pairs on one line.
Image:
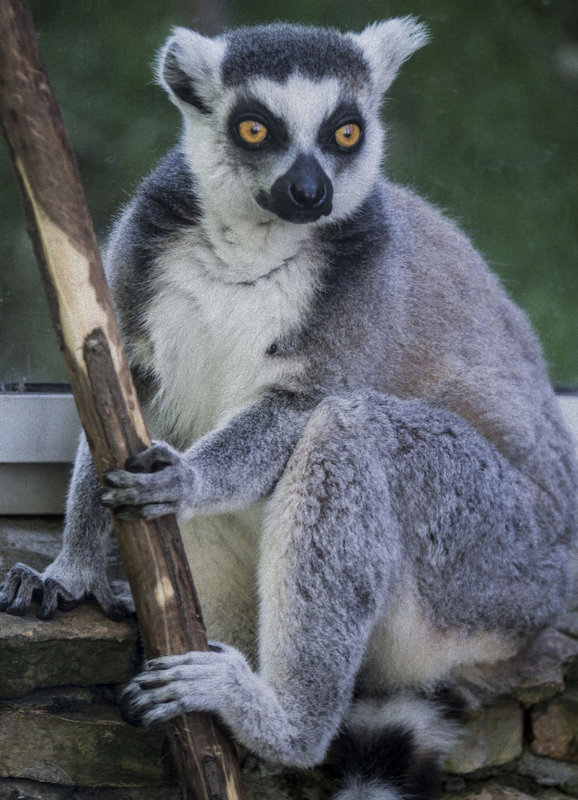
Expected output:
{"points": [[81, 310]]}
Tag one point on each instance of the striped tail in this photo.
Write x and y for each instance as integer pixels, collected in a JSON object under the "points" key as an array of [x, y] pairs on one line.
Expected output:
{"points": [[394, 748]]}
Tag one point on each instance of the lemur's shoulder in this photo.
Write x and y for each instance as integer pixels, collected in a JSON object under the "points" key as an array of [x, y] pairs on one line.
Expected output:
{"points": [[418, 225], [442, 267], [165, 202]]}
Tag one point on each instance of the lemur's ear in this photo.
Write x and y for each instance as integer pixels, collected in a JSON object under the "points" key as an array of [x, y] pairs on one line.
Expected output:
{"points": [[189, 68], [388, 44]]}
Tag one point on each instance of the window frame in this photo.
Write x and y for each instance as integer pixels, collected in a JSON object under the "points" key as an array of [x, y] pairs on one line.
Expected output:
{"points": [[40, 431]]}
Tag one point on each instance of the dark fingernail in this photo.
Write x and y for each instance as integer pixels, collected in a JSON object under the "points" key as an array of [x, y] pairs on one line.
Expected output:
{"points": [[67, 605], [108, 477], [45, 613], [16, 610], [125, 513], [129, 716], [117, 613], [132, 464]]}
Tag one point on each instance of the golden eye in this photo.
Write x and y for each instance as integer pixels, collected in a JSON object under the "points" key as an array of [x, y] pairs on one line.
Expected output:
{"points": [[348, 135], [252, 132]]}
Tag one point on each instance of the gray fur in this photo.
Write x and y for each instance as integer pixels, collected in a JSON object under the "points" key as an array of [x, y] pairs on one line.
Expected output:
{"points": [[354, 414], [277, 51]]}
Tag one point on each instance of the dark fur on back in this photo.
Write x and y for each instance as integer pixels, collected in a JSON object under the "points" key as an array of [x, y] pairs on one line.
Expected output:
{"points": [[167, 203]]}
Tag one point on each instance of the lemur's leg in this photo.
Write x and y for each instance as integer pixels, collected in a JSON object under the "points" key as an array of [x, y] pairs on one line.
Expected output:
{"points": [[80, 568], [380, 496], [327, 553]]}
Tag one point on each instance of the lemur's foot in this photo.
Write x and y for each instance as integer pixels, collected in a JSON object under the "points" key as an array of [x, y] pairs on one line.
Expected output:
{"points": [[23, 585], [55, 589]]}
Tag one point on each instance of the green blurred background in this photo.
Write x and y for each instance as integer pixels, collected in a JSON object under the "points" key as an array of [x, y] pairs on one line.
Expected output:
{"points": [[483, 122]]}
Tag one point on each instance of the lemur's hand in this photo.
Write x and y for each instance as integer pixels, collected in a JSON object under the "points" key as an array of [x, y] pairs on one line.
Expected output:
{"points": [[157, 481], [209, 681]]}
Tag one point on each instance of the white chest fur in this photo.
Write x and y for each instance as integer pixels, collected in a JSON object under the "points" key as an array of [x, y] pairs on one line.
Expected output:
{"points": [[210, 332]]}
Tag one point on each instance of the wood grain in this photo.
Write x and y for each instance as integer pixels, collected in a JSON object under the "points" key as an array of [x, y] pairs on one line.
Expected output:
{"points": [[82, 313]]}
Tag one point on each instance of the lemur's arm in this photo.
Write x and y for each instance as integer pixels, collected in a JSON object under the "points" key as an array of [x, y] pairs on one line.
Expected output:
{"points": [[226, 470], [79, 570]]}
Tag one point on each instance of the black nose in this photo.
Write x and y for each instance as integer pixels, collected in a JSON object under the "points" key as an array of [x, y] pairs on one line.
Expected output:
{"points": [[303, 194], [308, 189]]}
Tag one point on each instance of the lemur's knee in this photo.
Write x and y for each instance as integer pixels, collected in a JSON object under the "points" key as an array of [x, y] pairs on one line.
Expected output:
{"points": [[340, 430]]}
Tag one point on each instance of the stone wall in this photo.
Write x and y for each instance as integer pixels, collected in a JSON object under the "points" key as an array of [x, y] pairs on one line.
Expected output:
{"points": [[527, 739], [62, 738]]}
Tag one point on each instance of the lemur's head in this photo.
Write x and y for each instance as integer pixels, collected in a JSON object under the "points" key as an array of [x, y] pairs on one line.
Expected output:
{"points": [[282, 121]]}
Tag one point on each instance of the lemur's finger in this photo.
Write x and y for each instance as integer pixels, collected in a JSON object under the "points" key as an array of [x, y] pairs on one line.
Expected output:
{"points": [[128, 489], [8, 589], [117, 607], [120, 497], [120, 478], [153, 510], [49, 600], [148, 511], [23, 599], [54, 596], [18, 588], [152, 459]]}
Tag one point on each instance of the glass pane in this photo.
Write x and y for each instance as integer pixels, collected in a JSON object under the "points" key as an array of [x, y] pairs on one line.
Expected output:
{"points": [[99, 58], [483, 121]]}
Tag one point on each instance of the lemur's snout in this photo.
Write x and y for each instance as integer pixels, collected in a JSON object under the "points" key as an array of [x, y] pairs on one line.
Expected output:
{"points": [[303, 194], [309, 184]]}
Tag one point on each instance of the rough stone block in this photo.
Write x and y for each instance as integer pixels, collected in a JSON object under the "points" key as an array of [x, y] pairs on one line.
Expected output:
{"points": [[490, 791], [555, 728], [539, 672], [76, 737], [30, 790], [81, 647], [542, 674], [493, 737], [36, 541], [549, 772]]}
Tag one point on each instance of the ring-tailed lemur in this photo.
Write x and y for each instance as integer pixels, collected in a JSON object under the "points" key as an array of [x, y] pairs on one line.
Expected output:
{"points": [[359, 421]]}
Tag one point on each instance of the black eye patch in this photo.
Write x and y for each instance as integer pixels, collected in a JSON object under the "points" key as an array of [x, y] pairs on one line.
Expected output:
{"points": [[344, 114], [249, 109]]}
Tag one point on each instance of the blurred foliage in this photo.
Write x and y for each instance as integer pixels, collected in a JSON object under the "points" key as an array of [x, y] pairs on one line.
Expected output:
{"points": [[483, 122]]}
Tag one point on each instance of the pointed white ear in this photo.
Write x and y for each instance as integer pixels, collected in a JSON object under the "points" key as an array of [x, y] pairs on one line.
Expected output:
{"points": [[189, 68], [386, 45]]}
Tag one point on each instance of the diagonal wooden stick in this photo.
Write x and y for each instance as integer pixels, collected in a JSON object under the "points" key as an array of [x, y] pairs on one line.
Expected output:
{"points": [[82, 313]]}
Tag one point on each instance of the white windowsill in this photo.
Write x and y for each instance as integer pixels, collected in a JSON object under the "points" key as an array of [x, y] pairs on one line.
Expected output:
{"points": [[39, 434], [37, 446]]}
